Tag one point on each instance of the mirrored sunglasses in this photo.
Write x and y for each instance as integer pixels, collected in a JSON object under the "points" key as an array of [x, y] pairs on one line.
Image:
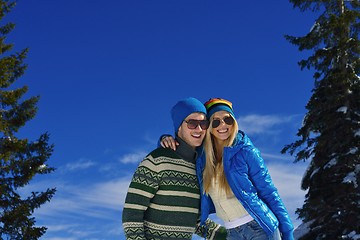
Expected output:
{"points": [[216, 122], [192, 124]]}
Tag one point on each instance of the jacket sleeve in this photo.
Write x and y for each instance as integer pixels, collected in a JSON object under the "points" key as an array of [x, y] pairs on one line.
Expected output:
{"points": [[143, 187], [211, 230], [268, 193]]}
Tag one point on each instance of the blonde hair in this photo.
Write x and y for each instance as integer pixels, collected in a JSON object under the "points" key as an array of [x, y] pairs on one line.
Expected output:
{"points": [[214, 167]]}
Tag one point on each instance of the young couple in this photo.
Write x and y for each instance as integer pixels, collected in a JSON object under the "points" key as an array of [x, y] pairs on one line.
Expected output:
{"points": [[226, 170]]}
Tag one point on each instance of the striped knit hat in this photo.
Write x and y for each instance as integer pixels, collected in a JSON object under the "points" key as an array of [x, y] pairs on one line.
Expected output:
{"points": [[218, 104], [184, 108]]}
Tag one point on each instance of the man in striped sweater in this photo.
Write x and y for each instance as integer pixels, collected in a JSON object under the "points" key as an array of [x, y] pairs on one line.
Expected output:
{"points": [[163, 198]]}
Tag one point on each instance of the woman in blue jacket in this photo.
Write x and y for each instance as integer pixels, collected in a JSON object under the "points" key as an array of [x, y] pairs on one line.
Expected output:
{"points": [[235, 182]]}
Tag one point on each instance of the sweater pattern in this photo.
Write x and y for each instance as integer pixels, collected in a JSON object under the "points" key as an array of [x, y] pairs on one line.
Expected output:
{"points": [[163, 190]]}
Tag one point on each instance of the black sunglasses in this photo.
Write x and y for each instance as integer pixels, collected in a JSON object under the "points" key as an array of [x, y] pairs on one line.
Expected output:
{"points": [[192, 124], [228, 120]]}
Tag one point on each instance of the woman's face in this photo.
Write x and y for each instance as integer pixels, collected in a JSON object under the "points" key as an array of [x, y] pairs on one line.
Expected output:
{"points": [[222, 125]]}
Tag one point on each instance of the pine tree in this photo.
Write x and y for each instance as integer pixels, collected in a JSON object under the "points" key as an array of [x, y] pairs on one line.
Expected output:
{"points": [[330, 134], [20, 159]]}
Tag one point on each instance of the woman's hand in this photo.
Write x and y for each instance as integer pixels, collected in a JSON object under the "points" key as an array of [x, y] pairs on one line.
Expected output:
{"points": [[168, 142]]}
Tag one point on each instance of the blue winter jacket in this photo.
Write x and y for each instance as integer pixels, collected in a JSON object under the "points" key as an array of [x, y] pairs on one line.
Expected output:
{"points": [[251, 183]]}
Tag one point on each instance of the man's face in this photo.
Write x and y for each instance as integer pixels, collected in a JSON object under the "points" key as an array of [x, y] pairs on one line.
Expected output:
{"points": [[193, 137]]}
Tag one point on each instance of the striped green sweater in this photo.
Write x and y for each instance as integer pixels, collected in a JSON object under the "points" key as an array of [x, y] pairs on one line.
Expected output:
{"points": [[163, 199]]}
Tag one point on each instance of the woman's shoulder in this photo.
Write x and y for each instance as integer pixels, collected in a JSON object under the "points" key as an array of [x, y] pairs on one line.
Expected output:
{"points": [[244, 146], [242, 140]]}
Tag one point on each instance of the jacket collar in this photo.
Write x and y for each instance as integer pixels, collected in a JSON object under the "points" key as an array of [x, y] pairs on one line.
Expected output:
{"points": [[240, 141]]}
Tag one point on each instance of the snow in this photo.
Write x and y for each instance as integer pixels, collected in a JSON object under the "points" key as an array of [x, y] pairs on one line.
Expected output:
{"points": [[352, 235], [351, 177], [357, 133], [331, 163], [342, 109], [353, 150], [301, 230], [304, 228]]}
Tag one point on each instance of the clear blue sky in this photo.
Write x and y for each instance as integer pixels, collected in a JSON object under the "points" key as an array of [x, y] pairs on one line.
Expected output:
{"points": [[108, 73]]}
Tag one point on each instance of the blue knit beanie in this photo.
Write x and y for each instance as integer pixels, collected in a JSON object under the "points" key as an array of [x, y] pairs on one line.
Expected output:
{"points": [[184, 108], [218, 104]]}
